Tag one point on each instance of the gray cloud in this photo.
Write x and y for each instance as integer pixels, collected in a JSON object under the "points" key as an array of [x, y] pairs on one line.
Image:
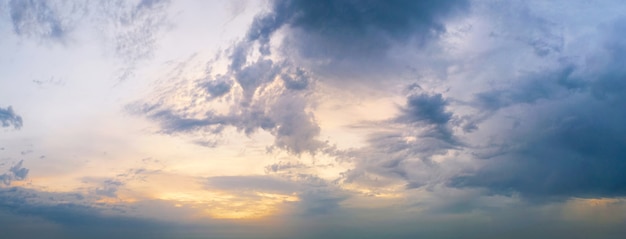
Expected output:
{"points": [[426, 108], [23, 219], [172, 122], [392, 158], [296, 80], [27, 213], [109, 188], [8, 118], [254, 75], [552, 132], [533, 87], [282, 113], [569, 145], [37, 18], [322, 201], [284, 166], [256, 102], [345, 28], [429, 112], [242, 184], [132, 26], [566, 152], [339, 29], [15, 173], [534, 160], [296, 129], [217, 88], [401, 149], [74, 219], [544, 36]]}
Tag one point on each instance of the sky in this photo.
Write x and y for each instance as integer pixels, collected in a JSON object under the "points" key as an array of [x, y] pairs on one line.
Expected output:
{"points": [[312, 119]]}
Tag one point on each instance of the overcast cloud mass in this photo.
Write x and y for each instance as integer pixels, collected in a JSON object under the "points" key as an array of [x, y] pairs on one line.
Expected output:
{"points": [[312, 119]]}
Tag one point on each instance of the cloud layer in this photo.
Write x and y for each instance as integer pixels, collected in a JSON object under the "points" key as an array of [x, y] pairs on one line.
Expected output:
{"points": [[320, 119]]}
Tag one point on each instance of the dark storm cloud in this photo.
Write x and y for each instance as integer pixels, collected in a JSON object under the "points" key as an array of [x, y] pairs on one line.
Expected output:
{"points": [[347, 28], [429, 112], [8, 118], [426, 108], [571, 145]]}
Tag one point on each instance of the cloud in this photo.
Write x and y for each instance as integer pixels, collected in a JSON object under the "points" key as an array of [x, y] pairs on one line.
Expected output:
{"points": [[28, 213], [171, 122], [338, 29], [396, 158], [217, 88], [525, 23], [400, 150], [254, 75], [8, 118], [39, 18], [565, 153], [526, 116], [132, 26], [241, 184], [270, 85], [429, 112], [346, 28], [344, 25], [543, 85], [321, 202], [298, 79], [74, 219], [296, 130], [15, 173], [570, 144], [426, 108], [130, 29], [282, 166], [277, 109], [109, 188], [344, 41]]}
